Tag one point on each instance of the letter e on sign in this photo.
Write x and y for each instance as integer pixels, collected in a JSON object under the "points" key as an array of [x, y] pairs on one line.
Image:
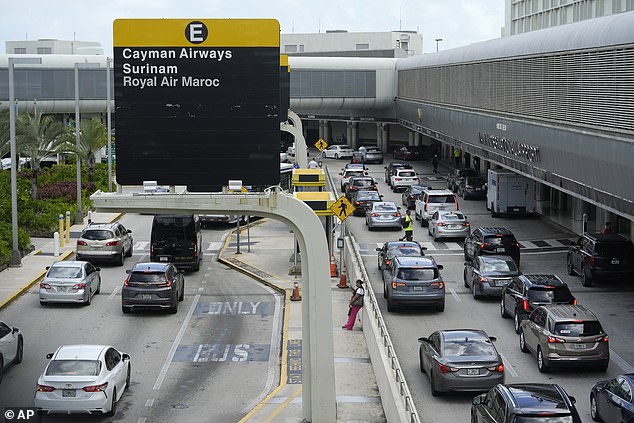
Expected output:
{"points": [[196, 32]]}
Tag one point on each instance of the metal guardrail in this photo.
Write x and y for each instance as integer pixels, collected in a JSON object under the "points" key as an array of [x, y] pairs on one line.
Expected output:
{"points": [[397, 371]]}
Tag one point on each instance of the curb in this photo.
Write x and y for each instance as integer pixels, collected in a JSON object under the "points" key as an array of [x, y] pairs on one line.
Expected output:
{"points": [[32, 282]]}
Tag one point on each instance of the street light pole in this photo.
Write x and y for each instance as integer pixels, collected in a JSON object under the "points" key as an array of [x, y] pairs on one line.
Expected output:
{"points": [[437, 41], [80, 214], [16, 257]]}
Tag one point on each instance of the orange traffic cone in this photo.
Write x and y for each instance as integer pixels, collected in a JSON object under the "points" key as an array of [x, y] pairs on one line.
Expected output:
{"points": [[333, 266], [343, 280], [295, 295]]}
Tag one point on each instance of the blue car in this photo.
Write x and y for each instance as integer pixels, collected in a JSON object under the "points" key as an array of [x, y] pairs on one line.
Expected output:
{"points": [[611, 400]]}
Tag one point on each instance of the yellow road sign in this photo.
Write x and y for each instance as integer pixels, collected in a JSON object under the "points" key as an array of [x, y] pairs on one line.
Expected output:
{"points": [[321, 144], [342, 208]]}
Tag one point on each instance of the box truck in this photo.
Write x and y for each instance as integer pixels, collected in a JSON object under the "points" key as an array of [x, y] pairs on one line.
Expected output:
{"points": [[510, 193]]}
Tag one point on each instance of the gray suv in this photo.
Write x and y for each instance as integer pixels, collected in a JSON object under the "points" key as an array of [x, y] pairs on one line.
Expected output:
{"points": [[105, 242], [153, 286], [413, 281]]}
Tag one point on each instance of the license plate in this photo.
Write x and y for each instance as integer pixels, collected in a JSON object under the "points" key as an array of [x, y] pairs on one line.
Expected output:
{"points": [[68, 393], [478, 189], [163, 259], [500, 250], [454, 226], [147, 296], [473, 372], [61, 288], [580, 346], [516, 210], [418, 288], [615, 261]]}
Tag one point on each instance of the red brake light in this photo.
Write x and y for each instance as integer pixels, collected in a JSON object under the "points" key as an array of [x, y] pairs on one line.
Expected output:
{"points": [[387, 261], [437, 285], [555, 340], [482, 279], [79, 286], [112, 243], [603, 338], [574, 301], [395, 284], [396, 214], [80, 242], [126, 280], [466, 224], [374, 215], [526, 305], [498, 368], [45, 286], [44, 388], [96, 388], [446, 369], [441, 224]]}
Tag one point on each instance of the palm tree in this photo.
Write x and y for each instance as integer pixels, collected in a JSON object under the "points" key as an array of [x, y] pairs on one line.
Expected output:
{"points": [[38, 138], [92, 138], [4, 132]]}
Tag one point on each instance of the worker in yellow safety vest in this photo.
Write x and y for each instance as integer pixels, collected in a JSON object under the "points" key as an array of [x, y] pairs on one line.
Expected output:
{"points": [[408, 225]]}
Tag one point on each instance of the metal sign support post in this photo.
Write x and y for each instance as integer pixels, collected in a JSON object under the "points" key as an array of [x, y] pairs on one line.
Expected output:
{"points": [[238, 236], [248, 233]]}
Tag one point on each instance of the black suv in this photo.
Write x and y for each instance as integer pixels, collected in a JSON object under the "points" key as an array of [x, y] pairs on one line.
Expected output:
{"points": [[596, 256], [153, 286], [391, 169], [538, 402], [457, 175], [491, 241], [527, 292]]}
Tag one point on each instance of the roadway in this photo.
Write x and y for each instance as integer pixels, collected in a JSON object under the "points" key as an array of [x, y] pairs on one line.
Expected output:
{"points": [[612, 302], [222, 348]]}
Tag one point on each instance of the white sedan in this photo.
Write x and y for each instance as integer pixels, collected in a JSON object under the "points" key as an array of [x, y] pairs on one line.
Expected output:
{"points": [[337, 152], [83, 379], [11, 347]]}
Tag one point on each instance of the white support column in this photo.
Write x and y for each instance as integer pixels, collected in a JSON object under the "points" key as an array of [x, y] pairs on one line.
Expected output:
{"points": [[379, 137], [321, 130], [418, 139], [349, 141], [355, 135], [385, 128], [410, 140]]}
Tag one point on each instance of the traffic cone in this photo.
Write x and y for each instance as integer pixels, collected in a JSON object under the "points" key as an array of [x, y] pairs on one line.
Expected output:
{"points": [[333, 266], [295, 295], [343, 280]]}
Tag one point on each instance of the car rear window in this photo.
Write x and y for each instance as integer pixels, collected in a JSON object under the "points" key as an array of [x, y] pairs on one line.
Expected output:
{"points": [[97, 234], [500, 239], [180, 227], [588, 328], [59, 272], [407, 173], [384, 208], [363, 182], [453, 216], [405, 251], [469, 348], [543, 419], [498, 266], [364, 196], [73, 368], [550, 295], [147, 277], [441, 199], [615, 250], [421, 274]]}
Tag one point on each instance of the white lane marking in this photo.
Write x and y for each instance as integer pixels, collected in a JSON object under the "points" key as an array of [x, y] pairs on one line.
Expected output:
{"points": [[201, 289], [454, 295], [141, 245], [115, 292], [529, 244], [142, 420], [275, 340], [507, 366], [620, 361], [204, 281], [453, 246], [177, 340], [200, 348], [206, 275], [214, 246], [149, 402]]}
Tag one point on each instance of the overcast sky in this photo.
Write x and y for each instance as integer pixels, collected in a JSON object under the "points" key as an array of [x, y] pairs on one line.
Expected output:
{"points": [[457, 22]]}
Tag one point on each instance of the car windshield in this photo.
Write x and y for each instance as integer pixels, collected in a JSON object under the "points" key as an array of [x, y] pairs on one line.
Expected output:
{"points": [[469, 348], [147, 277], [97, 234], [498, 266], [73, 368], [615, 250], [543, 419], [417, 274], [59, 272], [441, 199], [500, 239], [589, 328], [550, 295]]}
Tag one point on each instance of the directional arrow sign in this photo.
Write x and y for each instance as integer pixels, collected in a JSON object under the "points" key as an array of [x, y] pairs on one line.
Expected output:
{"points": [[342, 208]]}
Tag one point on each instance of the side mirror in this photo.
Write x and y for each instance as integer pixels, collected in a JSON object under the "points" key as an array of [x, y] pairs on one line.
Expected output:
{"points": [[98, 269], [49, 356], [379, 249], [125, 356], [479, 399], [129, 231], [440, 267], [48, 267], [15, 330], [423, 248], [493, 338], [572, 399], [128, 271], [423, 339]]}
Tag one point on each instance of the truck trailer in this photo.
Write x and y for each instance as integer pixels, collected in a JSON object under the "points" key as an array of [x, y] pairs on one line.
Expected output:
{"points": [[510, 194]]}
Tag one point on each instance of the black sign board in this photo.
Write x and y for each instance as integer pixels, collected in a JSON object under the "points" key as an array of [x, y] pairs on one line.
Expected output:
{"points": [[197, 101], [285, 88]]}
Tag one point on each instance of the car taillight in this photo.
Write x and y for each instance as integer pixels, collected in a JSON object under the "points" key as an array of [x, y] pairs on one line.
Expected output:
{"points": [[525, 305], [374, 215], [396, 214], [426, 204], [80, 242], [574, 302], [44, 388], [126, 281], [555, 340], [357, 203], [167, 282], [483, 245], [395, 284], [387, 261], [397, 179], [498, 368], [437, 285], [96, 388], [196, 249], [44, 285], [446, 369], [112, 243], [79, 286], [482, 279], [603, 338]]}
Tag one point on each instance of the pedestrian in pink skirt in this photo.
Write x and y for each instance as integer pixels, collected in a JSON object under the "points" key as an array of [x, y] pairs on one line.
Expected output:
{"points": [[356, 302]]}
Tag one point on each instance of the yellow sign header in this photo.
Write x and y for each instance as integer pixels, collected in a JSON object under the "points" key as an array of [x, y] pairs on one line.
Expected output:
{"points": [[196, 33]]}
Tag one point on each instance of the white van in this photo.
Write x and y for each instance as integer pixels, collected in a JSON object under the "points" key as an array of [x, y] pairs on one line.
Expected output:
{"points": [[431, 200], [510, 194]]}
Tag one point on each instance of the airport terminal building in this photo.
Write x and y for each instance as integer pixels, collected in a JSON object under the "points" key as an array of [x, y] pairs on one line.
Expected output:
{"points": [[556, 105]]}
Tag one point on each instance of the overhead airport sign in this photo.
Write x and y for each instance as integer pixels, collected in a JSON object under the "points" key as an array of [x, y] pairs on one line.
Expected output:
{"points": [[197, 101]]}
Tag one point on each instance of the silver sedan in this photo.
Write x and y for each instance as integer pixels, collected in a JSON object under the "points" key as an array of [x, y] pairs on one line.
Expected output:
{"points": [[383, 214], [448, 224], [70, 282]]}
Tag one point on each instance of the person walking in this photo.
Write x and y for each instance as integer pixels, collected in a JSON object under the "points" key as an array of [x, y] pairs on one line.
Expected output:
{"points": [[408, 226], [607, 229], [434, 163], [312, 164], [456, 156], [356, 302]]}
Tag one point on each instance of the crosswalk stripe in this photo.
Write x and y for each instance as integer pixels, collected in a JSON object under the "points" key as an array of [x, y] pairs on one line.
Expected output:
{"points": [[141, 245], [216, 245]]}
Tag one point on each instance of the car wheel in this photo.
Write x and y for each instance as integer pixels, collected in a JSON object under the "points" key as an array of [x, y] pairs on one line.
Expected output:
{"points": [[476, 296], [541, 362], [464, 278], [88, 299], [113, 404], [523, 343], [384, 290], [125, 309], [594, 409], [502, 309], [127, 378], [174, 308], [1, 368], [130, 250], [516, 321], [196, 267], [586, 280], [19, 353], [120, 259], [336, 156], [569, 267], [43, 303], [390, 306], [182, 296], [420, 361], [432, 385]]}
